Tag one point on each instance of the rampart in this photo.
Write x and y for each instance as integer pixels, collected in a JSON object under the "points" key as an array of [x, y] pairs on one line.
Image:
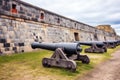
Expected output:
{"points": [[22, 23]]}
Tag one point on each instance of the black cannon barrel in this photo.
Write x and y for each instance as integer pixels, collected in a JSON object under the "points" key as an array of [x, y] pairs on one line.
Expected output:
{"points": [[111, 41], [90, 43], [68, 48], [118, 42], [111, 44]]}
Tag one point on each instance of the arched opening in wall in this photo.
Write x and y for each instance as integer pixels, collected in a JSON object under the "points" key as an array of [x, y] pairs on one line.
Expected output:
{"points": [[41, 15], [76, 36], [75, 24], [14, 10], [95, 37], [104, 38], [58, 20]]}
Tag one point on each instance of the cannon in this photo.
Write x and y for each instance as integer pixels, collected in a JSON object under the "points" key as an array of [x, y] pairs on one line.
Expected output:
{"points": [[111, 44], [118, 42], [63, 56], [96, 46]]}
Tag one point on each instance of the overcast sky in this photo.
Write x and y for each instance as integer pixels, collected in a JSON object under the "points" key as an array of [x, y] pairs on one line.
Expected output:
{"points": [[92, 12]]}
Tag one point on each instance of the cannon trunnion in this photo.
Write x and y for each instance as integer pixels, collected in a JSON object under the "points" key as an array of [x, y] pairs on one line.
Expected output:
{"points": [[63, 56]]}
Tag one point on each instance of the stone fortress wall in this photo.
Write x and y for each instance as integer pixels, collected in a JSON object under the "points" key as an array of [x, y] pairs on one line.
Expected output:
{"points": [[22, 23]]}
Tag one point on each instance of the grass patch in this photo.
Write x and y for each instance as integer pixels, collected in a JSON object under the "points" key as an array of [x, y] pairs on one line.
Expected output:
{"points": [[28, 66]]}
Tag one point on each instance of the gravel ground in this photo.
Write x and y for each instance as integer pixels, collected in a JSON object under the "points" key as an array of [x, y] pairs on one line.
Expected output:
{"points": [[109, 70]]}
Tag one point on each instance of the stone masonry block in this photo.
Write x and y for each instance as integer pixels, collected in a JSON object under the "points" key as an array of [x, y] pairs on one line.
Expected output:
{"points": [[6, 44], [2, 49], [8, 52], [1, 45], [27, 48], [8, 40], [2, 40], [12, 45]]}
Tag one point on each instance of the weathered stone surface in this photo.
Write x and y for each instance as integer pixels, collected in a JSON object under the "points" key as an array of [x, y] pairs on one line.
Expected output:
{"points": [[28, 25], [106, 28], [1, 45], [28, 32]]}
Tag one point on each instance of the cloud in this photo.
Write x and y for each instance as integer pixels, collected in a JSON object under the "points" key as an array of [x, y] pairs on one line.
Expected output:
{"points": [[92, 12]]}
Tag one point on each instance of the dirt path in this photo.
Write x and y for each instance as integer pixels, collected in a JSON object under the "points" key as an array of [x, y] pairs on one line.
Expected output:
{"points": [[109, 70]]}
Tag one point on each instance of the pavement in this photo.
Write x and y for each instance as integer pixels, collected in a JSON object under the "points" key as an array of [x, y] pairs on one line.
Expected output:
{"points": [[108, 70]]}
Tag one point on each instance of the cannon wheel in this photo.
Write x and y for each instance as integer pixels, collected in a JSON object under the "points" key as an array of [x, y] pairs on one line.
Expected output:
{"points": [[68, 64], [84, 58], [105, 49], [88, 50], [99, 50], [71, 65], [45, 62]]}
